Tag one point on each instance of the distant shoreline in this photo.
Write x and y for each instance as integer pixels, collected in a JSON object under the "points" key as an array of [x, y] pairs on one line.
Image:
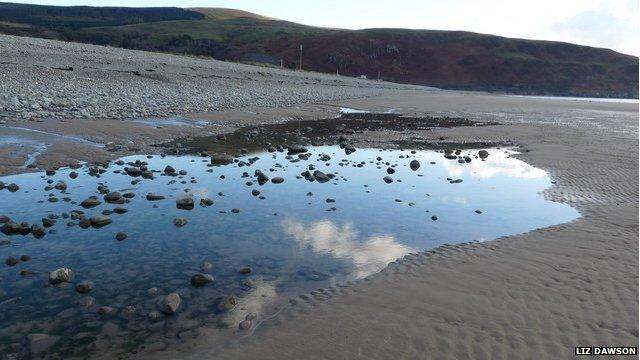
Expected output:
{"points": [[573, 98]]}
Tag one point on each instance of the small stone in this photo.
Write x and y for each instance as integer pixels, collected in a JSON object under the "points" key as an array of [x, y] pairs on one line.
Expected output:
{"points": [[90, 202], [387, 179], [61, 275], [185, 203], [152, 291], [154, 197], [128, 311], [245, 270], [12, 261], [100, 220], [204, 202], [180, 222], [106, 311], [84, 287], [155, 316], [277, 180], [121, 236], [206, 266], [414, 165], [245, 325], [200, 279], [227, 303], [169, 304]]}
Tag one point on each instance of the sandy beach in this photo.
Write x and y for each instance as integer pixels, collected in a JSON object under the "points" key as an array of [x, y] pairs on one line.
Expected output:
{"points": [[530, 296]]}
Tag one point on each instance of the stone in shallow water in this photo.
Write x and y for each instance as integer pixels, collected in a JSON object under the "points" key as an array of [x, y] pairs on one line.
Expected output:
{"points": [[100, 220], [200, 279], [180, 222], [387, 179], [170, 303], [84, 286], [185, 203], [245, 325], [227, 303], [12, 261], [106, 311], [61, 275], [90, 202], [414, 165], [206, 266], [204, 202], [121, 236], [154, 197]]}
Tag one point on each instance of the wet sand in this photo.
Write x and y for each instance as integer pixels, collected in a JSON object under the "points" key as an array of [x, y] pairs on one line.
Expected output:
{"points": [[532, 296]]}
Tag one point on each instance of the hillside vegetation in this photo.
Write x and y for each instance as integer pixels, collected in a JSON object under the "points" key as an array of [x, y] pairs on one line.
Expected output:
{"points": [[447, 59]]}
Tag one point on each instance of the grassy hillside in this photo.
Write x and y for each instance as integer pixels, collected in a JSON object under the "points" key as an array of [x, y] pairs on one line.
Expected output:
{"points": [[448, 59]]}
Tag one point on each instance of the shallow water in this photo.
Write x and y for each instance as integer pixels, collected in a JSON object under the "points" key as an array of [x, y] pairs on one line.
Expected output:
{"points": [[293, 239]]}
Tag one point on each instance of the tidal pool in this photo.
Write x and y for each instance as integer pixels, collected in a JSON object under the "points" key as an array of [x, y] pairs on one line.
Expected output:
{"points": [[295, 236]]}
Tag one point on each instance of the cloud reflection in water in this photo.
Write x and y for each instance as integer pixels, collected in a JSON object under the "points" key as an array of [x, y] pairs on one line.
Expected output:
{"points": [[368, 255]]}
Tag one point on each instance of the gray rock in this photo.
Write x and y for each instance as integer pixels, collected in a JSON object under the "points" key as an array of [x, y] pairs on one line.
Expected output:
{"points": [[200, 279], [61, 275], [414, 165], [227, 303], [221, 159], [84, 287], [245, 325], [277, 180], [170, 303], [90, 202], [154, 197], [180, 222], [387, 179], [185, 203], [100, 220], [204, 202], [106, 311], [206, 266]]}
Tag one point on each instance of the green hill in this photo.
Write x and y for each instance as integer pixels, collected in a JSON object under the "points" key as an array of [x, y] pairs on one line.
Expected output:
{"points": [[447, 59]]}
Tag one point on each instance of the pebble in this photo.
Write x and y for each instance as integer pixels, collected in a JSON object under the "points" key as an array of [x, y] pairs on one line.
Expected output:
{"points": [[61, 275], [121, 236], [180, 222], [154, 197], [170, 303], [200, 279], [100, 220], [84, 287]]}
